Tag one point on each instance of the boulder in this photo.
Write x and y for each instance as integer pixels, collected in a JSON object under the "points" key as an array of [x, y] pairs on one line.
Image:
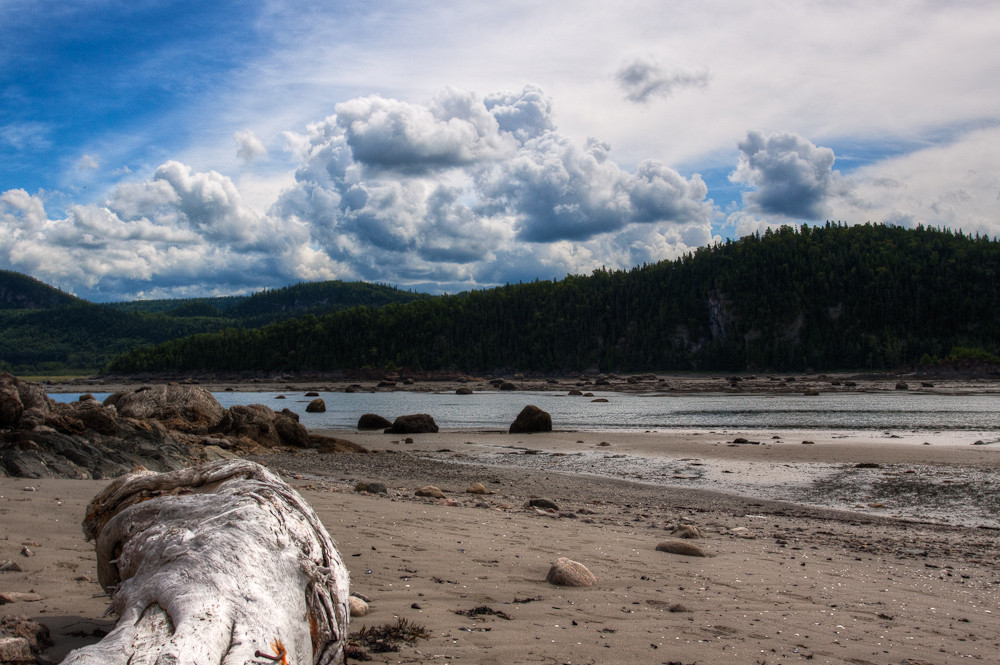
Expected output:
{"points": [[18, 396], [373, 421], [463, 391], [186, 408], [418, 423], [316, 406], [430, 491], [531, 419], [566, 572]]}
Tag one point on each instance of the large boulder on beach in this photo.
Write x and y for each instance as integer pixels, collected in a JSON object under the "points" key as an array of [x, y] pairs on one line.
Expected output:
{"points": [[262, 425], [17, 396], [531, 419], [373, 421], [181, 408], [418, 423]]}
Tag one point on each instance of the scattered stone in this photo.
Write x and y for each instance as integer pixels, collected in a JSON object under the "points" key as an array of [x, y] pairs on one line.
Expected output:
{"points": [[419, 423], [604, 444], [18, 597], [677, 607], [371, 488], [867, 465], [359, 608], [686, 531], [811, 393], [36, 634], [430, 491], [808, 443], [312, 393], [566, 572], [679, 546], [902, 386], [9, 566], [740, 439], [15, 651], [531, 419], [544, 504], [599, 400], [373, 421], [576, 393], [316, 406], [477, 488], [25, 552], [464, 391]]}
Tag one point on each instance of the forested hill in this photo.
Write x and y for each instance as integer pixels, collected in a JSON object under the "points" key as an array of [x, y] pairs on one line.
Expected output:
{"points": [[46, 331], [19, 291], [831, 297]]}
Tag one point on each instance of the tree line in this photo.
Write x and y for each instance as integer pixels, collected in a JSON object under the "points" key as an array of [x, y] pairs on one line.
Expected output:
{"points": [[825, 297]]}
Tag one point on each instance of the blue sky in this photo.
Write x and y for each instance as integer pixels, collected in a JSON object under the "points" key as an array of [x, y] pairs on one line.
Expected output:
{"points": [[173, 149]]}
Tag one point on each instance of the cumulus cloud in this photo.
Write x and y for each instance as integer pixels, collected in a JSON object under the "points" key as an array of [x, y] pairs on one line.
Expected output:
{"points": [[791, 177], [465, 191], [87, 163], [248, 146], [644, 79]]}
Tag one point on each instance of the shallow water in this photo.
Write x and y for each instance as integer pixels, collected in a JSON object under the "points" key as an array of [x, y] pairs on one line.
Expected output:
{"points": [[631, 412]]}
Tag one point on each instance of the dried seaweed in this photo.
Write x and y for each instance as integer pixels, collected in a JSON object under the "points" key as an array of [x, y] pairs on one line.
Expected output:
{"points": [[483, 609], [387, 637]]}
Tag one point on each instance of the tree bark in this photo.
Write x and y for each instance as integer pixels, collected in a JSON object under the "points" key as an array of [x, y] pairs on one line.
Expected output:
{"points": [[221, 564]]}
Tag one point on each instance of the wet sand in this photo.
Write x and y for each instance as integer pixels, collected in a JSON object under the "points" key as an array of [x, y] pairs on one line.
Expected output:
{"points": [[787, 579]]}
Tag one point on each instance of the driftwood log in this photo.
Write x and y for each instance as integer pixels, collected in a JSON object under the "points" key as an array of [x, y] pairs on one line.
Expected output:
{"points": [[222, 564]]}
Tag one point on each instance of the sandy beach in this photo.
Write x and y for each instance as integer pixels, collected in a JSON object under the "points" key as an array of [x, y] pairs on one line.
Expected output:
{"points": [[794, 570]]}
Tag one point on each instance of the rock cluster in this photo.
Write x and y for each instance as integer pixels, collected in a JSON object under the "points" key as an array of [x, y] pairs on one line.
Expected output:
{"points": [[162, 428]]}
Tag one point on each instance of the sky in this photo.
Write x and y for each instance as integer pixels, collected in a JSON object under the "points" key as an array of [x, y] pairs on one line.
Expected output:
{"points": [[154, 149]]}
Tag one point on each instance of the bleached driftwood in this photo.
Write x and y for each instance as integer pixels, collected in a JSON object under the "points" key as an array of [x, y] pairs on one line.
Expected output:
{"points": [[222, 564]]}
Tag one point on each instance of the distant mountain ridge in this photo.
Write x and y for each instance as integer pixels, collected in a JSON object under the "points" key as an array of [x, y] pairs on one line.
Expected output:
{"points": [[44, 330]]}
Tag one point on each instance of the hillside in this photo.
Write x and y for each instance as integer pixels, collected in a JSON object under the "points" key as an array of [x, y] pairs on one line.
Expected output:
{"points": [[45, 331], [19, 291], [831, 297]]}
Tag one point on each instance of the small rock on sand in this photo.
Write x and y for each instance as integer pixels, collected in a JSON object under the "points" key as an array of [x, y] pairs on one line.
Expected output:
{"points": [[686, 531], [678, 546], [18, 597], [544, 504], [430, 491], [477, 488], [566, 572], [359, 608]]}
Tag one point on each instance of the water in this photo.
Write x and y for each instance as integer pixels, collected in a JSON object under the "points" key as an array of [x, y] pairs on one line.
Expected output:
{"points": [[630, 412]]}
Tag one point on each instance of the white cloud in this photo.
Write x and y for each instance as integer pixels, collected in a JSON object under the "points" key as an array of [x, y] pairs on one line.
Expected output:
{"points": [[87, 163], [248, 146]]}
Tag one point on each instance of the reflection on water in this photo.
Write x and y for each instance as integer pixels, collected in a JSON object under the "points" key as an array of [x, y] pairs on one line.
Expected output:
{"points": [[624, 412]]}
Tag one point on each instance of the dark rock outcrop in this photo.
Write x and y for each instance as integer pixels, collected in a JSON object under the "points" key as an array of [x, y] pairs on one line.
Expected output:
{"points": [[419, 423], [531, 419], [373, 421]]}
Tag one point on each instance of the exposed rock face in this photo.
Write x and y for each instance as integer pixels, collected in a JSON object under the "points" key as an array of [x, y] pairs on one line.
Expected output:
{"points": [[164, 428], [373, 421], [180, 408], [419, 423], [531, 419]]}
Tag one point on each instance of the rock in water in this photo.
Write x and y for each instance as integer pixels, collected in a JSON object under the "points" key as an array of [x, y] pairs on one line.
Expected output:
{"points": [[531, 419], [316, 406], [678, 546], [566, 572], [373, 421], [418, 423]]}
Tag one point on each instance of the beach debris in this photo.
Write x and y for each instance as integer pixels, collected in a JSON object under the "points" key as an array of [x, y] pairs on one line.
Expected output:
{"points": [[544, 504], [385, 638], [417, 423], [26, 552], [372, 488], [316, 406], [255, 562], [531, 419], [680, 546], [481, 611], [430, 491], [686, 531], [566, 572], [359, 607], [477, 488], [373, 421]]}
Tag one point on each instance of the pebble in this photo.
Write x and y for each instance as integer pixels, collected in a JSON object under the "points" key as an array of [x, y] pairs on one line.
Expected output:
{"points": [[477, 488], [566, 572], [686, 531], [430, 491]]}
